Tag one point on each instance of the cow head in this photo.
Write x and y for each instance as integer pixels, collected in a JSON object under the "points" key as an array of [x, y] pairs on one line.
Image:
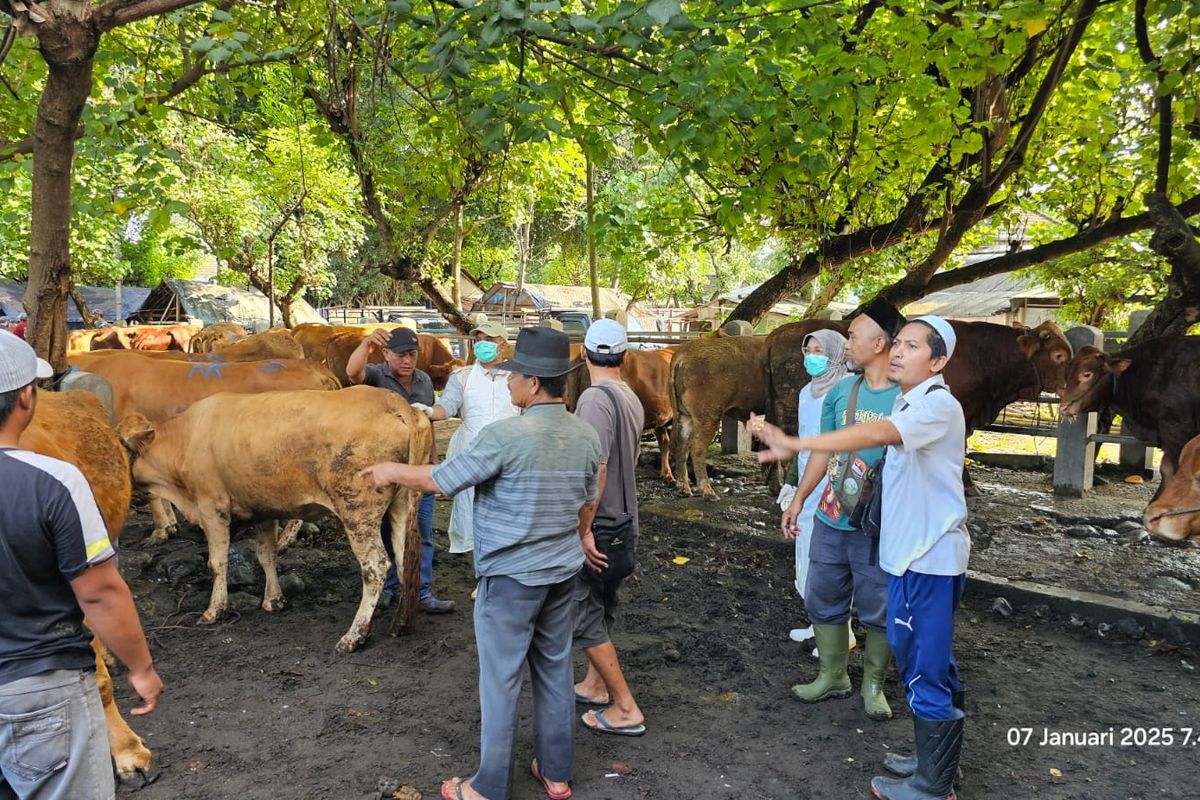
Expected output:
{"points": [[1050, 352], [1089, 382], [1174, 515], [136, 432]]}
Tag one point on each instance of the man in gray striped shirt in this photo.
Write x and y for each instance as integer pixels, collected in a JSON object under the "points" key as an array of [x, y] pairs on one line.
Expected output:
{"points": [[534, 475]]}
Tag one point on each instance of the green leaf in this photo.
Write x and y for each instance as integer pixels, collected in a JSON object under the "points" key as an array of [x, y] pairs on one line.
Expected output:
{"points": [[661, 11], [665, 117], [583, 24], [680, 23], [510, 10], [221, 15], [203, 44]]}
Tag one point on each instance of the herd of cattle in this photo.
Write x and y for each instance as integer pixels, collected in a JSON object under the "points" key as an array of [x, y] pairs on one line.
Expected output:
{"points": [[226, 426]]}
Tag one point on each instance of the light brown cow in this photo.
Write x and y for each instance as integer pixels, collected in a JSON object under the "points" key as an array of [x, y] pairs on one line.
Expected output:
{"points": [[290, 454], [207, 337], [81, 341], [1174, 515], [648, 374], [73, 427], [160, 388], [711, 377], [314, 336]]}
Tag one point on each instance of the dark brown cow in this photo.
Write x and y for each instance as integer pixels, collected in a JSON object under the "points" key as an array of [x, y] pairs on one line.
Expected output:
{"points": [[433, 356], [648, 374], [1174, 515], [711, 377], [1153, 386]]}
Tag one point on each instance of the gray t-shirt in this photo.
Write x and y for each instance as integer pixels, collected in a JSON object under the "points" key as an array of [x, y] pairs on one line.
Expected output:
{"points": [[620, 431]]}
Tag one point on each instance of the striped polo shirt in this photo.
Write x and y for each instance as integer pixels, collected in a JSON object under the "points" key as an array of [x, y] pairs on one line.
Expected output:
{"points": [[50, 532], [531, 475]]}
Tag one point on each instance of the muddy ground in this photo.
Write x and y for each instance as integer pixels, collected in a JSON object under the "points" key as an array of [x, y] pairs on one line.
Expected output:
{"points": [[261, 706]]}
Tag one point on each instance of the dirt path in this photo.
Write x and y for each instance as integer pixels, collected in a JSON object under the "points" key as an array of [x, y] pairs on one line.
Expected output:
{"points": [[262, 706]]}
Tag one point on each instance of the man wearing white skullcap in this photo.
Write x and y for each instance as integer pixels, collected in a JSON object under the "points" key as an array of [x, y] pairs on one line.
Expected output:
{"points": [[923, 546]]}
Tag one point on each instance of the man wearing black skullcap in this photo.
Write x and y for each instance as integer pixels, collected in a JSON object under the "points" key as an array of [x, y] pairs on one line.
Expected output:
{"points": [[843, 561]]}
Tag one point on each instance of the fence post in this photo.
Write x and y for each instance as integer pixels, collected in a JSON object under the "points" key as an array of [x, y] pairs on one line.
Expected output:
{"points": [[735, 438], [1075, 453]]}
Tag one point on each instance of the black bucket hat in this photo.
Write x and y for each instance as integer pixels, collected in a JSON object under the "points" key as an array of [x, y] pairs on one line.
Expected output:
{"points": [[541, 352]]}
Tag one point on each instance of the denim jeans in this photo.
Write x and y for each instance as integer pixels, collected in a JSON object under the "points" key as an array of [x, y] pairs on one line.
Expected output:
{"points": [[425, 526], [53, 740]]}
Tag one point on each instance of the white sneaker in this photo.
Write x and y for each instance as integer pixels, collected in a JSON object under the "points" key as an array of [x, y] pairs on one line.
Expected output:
{"points": [[801, 634]]}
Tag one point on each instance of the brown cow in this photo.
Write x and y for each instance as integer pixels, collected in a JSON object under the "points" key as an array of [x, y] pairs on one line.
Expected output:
{"points": [[1153, 386], [1174, 515], [81, 341], [648, 374], [711, 377], [433, 356], [144, 337], [159, 389], [284, 454], [259, 347], [314, 336], [204, 339], [73, 427]]}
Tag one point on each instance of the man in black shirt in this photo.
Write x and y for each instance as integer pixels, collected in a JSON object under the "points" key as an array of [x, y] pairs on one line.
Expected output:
{"points": [[399, 374], [56, 564]]}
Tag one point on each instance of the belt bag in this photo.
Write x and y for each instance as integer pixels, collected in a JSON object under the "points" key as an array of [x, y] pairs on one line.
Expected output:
{"points": [[614, 535], [856, 477], [867, 516]]}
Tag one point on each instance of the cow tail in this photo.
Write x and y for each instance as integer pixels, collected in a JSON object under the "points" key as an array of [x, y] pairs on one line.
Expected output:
{"points": [[770, 376], [675, 392], [402, 510]]}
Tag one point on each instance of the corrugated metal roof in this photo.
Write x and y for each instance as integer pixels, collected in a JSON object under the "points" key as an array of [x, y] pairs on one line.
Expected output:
{"points": [[98, 298], [986, 297]]}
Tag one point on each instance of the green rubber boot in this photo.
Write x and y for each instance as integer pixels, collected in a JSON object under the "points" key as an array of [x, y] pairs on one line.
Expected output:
{"points": [[877, 656], [832, 681]]}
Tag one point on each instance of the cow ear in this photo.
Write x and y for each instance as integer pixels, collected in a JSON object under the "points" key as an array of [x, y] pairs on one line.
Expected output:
{"points": [[1029, 345], [136, 432], [1118, 365], [1018, 326]]}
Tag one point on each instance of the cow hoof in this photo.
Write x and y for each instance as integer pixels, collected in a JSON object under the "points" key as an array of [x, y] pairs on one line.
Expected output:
{"points": [[348, 644], [271, 605], [211, 616], [684, 491], [136, 768], [708, 494], [157, 537]]}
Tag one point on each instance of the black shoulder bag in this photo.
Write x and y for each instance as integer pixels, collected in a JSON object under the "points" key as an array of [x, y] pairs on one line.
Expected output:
{"points": [[868, 514], [614, 535]]}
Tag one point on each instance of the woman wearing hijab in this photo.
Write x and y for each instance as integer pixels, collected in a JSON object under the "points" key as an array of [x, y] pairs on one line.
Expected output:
{"points": [[825, 362]]}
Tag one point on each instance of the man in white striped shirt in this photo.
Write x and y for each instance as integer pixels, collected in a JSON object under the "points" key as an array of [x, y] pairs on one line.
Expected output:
{"points": [[56, 563]]}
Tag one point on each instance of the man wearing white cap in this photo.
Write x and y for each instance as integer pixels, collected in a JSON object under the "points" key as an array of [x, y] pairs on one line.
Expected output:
{"points": [[611, 407], [923, 546], [55, 561], [479, 395]]}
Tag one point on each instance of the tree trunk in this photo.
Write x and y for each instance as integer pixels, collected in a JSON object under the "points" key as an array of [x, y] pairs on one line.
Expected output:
{"points": [[456, 259], [1174, 240], [593, 267], [84, 311], [69, 51]]}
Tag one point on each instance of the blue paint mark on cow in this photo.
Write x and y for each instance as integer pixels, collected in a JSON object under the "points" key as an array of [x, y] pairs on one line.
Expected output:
{"points": [[204, 358], [209, 370], [272, 366]]}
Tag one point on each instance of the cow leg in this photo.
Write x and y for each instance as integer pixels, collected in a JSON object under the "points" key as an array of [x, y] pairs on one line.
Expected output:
{"points": [[702, 437], [680, 444], [290, 532], [165, 523], [663, 435], [128, 750], [267, 549], [216, 531], [363, 534], [969, 487]]}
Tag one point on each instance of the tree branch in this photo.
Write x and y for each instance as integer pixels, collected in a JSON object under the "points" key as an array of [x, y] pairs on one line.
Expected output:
{"points": [[115, 13]]}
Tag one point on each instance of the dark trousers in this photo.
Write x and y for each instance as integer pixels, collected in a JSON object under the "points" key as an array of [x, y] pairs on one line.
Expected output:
{"points": [[516, 625], [921, 632], [843, 566]]}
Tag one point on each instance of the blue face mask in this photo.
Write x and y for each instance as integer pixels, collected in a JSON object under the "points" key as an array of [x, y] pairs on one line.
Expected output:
{"points": [[486, 352], [815, 364]]}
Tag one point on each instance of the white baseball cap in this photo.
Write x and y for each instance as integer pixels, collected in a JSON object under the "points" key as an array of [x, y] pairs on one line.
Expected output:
{"points": [[606, 336], [19, 365], [944, 330]]}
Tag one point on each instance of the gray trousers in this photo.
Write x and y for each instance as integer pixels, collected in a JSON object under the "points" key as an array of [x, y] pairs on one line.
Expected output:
{"points": [[517, 624], [843, 566], [53, 740]]}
